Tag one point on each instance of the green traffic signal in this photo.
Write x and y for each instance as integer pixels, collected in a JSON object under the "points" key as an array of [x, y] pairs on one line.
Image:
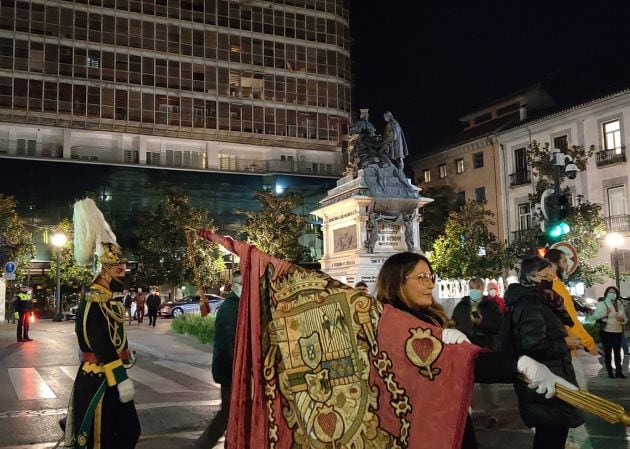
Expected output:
{"points": [[558, 230]]}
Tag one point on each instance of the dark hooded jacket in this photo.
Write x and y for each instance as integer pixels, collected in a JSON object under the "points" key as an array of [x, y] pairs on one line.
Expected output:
{"points": [[537, 330]]}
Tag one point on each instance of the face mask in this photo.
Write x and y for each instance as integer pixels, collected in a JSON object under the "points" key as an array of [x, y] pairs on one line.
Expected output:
{"points": [[546, 284], [237, 288], [475, 295], [117, 284], [492, 293], [611, 296]]}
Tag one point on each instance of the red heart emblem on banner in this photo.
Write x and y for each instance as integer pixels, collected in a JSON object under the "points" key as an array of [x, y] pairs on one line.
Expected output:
{"points": [[328, 423], [423, 347]]}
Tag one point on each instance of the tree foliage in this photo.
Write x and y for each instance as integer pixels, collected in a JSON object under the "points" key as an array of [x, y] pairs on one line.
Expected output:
{"points": [[435, 214], [16, 242], [275, 228], [456, 253], [70, 273], [163, 251], [587, 226]]}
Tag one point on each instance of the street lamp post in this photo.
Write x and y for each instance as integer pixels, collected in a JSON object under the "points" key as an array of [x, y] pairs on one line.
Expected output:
{"points": [[614, 241], [58, 240]]}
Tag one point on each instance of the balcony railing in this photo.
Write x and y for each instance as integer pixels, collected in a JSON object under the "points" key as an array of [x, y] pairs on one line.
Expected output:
{"points": [[524, 234], [187, 159], [612, 156], [618, 223], [520, 177]]}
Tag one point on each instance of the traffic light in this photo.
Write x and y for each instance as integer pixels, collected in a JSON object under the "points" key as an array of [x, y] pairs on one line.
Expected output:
{"points": [[555, 209], [557, 230]]}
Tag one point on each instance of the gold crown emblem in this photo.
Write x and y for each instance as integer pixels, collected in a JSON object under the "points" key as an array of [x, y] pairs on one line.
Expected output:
{"points": [[299, 280], [112, 254]]}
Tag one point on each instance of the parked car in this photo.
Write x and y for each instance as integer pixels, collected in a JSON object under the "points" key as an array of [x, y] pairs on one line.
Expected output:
{"points": [[72, 312], [189, 304]]}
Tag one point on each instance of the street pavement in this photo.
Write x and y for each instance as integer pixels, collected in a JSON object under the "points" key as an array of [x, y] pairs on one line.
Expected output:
{"points": [[175, 395]]}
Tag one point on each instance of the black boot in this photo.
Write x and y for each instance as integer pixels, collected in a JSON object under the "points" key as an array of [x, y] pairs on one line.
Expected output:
{"points": [[620, 375], [611, 374]]}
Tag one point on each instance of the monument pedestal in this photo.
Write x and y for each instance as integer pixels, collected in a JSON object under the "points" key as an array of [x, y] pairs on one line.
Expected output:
{"points": [[367, 219]]}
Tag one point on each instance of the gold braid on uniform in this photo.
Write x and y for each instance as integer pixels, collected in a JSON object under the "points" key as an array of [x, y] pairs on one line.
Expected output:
{"points": [[113, 312]]}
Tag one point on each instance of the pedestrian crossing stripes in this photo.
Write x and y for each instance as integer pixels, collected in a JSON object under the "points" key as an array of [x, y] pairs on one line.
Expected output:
{"points": [[202, 374], [31, 383], [157, 383], [28, 384]]}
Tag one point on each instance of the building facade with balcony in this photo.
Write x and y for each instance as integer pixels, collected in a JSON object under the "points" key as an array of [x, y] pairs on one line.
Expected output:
{"points": [[469, 162], [603, 123], [257, 89]]}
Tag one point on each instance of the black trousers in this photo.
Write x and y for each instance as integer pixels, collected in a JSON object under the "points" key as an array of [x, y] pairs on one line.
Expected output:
{"points": [[612, 344], [219, 423], [140, 314], [550, 438], [23, 324], [153, 314]]}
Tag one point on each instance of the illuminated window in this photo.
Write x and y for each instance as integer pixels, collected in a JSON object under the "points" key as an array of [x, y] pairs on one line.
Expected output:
{"points": [[427, 175], [612, 136], [442, 169], [459, 166]]}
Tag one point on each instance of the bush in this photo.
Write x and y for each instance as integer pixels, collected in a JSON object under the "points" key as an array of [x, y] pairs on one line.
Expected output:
{"points": [[592, 329], [196, 325]]}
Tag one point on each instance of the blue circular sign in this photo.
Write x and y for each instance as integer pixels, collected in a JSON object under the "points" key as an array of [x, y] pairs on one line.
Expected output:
{"points": [[9, 267]]}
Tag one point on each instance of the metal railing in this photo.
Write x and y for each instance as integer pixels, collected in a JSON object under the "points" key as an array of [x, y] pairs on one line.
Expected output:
{"points": [[191, 160], [524, 234], [520, 177], [612, 156], [618, 223]]}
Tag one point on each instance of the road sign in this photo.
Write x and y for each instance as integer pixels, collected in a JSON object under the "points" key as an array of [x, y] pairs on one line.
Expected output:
{"points": [[9, 267], [572, 256], [9, 276]]}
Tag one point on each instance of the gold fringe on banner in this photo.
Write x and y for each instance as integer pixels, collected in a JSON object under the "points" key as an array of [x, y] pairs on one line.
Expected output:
{"points": [[602, 408]]}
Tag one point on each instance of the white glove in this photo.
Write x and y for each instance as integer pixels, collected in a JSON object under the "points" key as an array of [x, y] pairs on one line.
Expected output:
{"points": [[453, 336], [126, 391], [540, 377]]}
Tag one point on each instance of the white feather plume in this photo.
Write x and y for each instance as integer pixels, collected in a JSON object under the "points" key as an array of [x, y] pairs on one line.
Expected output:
{"points": [[90, 230]]}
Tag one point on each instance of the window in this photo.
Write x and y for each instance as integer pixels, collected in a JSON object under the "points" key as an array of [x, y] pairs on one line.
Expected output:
{"points": [[459, 166], [520, 160], [460, 199], [426, 174], [480, 194], [524, 216], [478, 160], [442, 169], [616, 201], [612, 136], [483, 118], [561, 143]]}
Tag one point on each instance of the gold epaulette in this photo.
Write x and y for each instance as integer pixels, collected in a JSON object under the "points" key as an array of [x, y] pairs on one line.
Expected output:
{"points": [[98, 294]]}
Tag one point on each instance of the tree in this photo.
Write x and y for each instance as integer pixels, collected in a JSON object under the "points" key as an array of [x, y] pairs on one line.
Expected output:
{"points": [[70, 272], [435, 214], [467, 248], [164, 252], [275, 228], [587, 226], [16, 242]]}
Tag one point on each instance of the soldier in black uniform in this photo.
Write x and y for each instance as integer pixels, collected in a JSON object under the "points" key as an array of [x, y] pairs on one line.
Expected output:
{"points": [[101, 412]]}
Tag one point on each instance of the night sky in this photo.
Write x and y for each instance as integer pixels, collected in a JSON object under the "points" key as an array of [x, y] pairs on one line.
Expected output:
{"points": [[432, 62]]}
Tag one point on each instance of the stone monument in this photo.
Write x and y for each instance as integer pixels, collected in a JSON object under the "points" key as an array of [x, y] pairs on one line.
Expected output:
{"points": [[374, 210]]}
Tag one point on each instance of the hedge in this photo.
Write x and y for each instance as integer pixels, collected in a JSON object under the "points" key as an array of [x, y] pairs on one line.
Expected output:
{"points": [[196, 325]]}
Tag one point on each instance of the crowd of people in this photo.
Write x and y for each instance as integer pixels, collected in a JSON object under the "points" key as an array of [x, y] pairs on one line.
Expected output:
{"points": [[152, 301]]}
